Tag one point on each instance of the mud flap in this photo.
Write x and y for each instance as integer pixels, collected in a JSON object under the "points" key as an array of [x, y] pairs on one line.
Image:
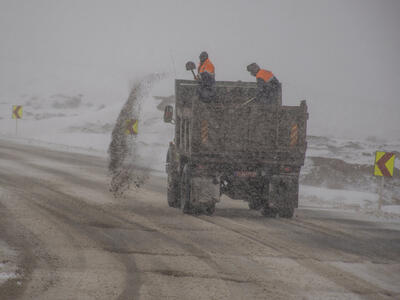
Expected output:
{"points": [[205, 190]]}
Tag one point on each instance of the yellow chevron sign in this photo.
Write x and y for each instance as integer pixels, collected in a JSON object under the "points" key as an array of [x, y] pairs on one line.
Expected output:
{"points": [[384, 164], [17, 112], [131, 127]]}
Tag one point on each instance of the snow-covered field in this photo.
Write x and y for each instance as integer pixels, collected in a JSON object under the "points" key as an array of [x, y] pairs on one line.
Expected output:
{"points": [[337, 173], [352, 150], [80, 123], [364, 203]]}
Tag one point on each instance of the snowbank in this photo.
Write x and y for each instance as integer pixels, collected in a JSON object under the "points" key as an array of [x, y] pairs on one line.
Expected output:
{"points": [[351, 150], [367, 203], [333, 198], [78, 121], [392, 209]]}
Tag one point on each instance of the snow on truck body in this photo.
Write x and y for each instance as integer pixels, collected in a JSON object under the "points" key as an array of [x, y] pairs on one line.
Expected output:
{"points": [[247, 150]]}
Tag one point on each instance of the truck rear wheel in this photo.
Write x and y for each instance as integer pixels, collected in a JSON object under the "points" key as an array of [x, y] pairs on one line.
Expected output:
{"points": [[258, 195], [209, 209], [256, 200], [283, 197], [269, 212], [185, 189], [255, 204], [173, 195]]}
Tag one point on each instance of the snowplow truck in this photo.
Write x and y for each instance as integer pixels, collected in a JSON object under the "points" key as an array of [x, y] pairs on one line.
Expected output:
{"points": [[229, 145]]}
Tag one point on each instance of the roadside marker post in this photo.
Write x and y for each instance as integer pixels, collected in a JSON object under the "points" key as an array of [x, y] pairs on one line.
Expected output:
{"points": [[131, 127], [16, 114], [381, 193], [384, 166]]}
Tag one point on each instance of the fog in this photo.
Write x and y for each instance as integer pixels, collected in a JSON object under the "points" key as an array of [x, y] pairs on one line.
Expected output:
{"points": [[341, 56]]}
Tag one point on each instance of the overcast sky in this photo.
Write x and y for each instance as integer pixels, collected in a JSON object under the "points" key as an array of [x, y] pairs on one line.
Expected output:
{"points": [[342, 56]]}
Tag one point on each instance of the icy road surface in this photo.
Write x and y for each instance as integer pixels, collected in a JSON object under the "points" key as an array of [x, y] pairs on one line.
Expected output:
{"points": [[75, 241]]}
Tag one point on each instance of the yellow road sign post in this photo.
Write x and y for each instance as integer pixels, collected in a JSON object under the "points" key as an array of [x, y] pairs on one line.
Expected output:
{"points": [[16, 114], [384, 166], [131, 127]]}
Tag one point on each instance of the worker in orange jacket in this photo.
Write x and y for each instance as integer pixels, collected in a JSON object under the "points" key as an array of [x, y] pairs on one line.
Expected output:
{"points": [[267, 84], [206, 76]]}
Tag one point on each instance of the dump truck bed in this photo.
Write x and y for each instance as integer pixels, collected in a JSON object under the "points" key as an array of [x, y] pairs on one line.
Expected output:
{"points": [[229, 130]]}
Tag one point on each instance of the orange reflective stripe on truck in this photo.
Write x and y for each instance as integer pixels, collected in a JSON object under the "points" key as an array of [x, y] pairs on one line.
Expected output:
{"points": [[294, 135], [204, 131]]}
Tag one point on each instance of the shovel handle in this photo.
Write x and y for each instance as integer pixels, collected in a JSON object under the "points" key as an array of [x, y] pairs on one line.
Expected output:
{"points": [[248, 101], [195, 77], [243, 104]]}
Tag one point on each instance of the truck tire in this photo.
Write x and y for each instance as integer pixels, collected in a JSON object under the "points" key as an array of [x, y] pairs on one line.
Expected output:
{"points": [[256, 199], [283, 197], [185, 191], [173, 194], [255, 204], [209, 209], [269, 212], [258, 195]]}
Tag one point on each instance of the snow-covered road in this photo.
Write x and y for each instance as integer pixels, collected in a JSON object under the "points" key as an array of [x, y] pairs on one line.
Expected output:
{"points": [[75, 241]]}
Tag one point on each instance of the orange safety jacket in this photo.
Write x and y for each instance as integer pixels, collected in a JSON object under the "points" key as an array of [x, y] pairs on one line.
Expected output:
{"points": [[207, 66], [265, 75]]}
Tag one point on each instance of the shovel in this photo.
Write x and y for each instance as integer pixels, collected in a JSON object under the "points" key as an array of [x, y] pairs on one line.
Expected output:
{"points": [[190, 66]]}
